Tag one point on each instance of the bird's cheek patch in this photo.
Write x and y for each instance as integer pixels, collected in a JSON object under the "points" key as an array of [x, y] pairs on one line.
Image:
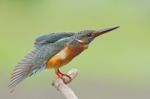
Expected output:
{"points": [[85, 39]]}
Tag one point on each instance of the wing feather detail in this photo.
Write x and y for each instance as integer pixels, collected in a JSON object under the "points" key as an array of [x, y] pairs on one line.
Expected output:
{"points": [[23, 69]]}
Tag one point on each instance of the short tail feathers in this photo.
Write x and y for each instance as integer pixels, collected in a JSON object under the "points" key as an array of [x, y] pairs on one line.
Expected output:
{"points": [[23, 69]]}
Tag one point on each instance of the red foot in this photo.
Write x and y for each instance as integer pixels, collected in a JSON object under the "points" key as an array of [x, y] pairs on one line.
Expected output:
{"points": [[61, 75]]}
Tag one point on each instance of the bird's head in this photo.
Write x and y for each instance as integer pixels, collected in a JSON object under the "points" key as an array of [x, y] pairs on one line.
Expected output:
{"points": [[86, 36]]}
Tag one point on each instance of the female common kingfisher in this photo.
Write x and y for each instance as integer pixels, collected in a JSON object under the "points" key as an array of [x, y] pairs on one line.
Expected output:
{"points": [[54, 50]]}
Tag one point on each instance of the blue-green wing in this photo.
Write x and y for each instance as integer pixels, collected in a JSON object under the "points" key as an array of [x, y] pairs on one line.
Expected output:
{"points": [[51, 38], [35, 61], [49, 50]]}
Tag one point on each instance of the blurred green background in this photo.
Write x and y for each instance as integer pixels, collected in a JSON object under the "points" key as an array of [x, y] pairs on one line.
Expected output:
{"points": [[116, 65]]}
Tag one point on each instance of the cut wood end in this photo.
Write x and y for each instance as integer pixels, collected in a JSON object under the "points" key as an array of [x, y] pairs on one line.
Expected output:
{"points": [[62, 87]]}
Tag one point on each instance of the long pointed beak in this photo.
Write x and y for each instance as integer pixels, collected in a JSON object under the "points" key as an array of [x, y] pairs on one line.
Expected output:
{"points": [[106, 30]]}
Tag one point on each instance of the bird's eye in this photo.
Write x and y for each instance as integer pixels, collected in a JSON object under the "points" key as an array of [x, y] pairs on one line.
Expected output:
{"points": [[89, 34]]}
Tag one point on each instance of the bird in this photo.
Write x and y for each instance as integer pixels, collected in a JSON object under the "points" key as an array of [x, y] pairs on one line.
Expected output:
{"points": [[52, 51]]}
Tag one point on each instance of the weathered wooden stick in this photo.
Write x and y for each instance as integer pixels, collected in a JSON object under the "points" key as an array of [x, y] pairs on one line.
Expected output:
{"points": [[63, 88]]}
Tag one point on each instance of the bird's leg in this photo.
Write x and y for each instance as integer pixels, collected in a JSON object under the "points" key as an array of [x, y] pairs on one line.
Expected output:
{"points": [[61, 75]]}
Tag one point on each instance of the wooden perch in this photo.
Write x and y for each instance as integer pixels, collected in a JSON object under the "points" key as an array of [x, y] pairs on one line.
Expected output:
{"points": [[63, 88]]}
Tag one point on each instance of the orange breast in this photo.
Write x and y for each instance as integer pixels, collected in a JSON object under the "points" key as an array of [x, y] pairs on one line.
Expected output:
{"points": [[64, 56]]}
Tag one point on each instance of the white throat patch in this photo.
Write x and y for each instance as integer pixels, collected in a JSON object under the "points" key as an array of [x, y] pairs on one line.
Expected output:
{"points": [[62, 54]]}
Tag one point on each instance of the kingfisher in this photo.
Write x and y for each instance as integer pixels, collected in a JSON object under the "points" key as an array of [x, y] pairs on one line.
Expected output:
{"points": [[52, 51]]}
